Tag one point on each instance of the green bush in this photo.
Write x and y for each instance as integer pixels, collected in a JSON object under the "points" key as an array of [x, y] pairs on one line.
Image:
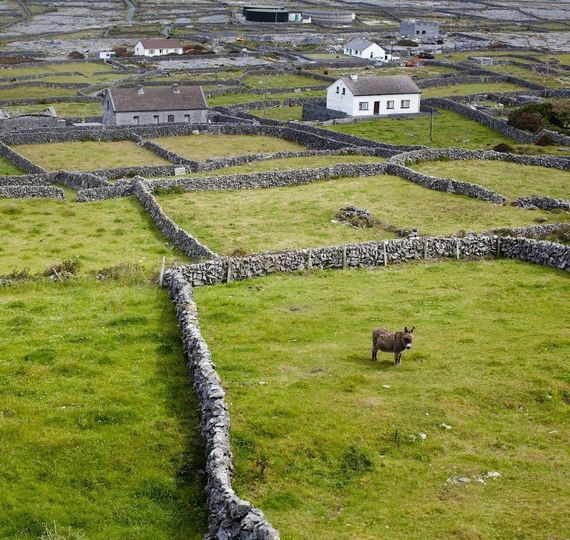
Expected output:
{"points": [[504, 147]]}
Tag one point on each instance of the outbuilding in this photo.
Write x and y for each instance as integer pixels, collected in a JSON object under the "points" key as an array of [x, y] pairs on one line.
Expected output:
{"points": [[362, 48], [155, 105], [158, 47], [374, 96]]}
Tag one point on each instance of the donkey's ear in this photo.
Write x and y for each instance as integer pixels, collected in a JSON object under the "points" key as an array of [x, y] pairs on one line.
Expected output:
{"points": [[405, 329], [412, 329]]}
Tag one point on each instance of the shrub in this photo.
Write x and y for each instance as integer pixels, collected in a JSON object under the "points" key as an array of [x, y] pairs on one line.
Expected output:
{"points": [[63, 270], [172, 190], [76, 55], [504, 147], [527, 120], [546, 139], [407, 43]]}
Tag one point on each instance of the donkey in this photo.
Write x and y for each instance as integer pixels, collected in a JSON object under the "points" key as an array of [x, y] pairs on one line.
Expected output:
{"points": [[396, 342]]}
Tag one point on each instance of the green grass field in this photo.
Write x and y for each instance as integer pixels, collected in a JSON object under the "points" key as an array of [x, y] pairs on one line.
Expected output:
{"points": [[289, 164], [40, 232], [89, 155], [234, 99], [509, 179], [202, 147], [35, 92], [6, 168], [449, 129], [100, 429], [552, 80], [466, 89], [300, 216], [281, 113], [87, 68], [63, 109], [418, 71], [280, 81], [332, 445]]}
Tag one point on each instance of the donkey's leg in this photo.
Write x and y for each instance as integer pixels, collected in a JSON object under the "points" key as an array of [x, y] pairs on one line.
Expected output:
{"points": [[374, 352]]}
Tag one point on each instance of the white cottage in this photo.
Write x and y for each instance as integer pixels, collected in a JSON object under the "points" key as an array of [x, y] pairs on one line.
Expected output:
{"points": [[158, 47], [374, 96], [362, 48]]}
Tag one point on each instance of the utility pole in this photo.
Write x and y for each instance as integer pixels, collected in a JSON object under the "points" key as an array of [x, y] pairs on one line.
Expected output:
{"points": [[431, 126]]}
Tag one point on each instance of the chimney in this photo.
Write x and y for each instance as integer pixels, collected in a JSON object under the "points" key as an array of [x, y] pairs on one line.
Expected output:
{"points": [[175, 89], [140, 90], [354, 77]]}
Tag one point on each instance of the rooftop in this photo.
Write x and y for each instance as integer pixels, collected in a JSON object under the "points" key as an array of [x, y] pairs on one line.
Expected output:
{"points": [[158, 98], [161, 43], [379, 86]]}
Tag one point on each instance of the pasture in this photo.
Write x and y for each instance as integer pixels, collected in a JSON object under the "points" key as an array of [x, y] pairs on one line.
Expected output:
{"points": [[332, 445], [509, 179], [466, 89], [449, 129], [303, 216], [6, 168], [35, 92], [72, 109], [88, 155], [100, 432], [40, 232], [202, 147], [281, 81]]}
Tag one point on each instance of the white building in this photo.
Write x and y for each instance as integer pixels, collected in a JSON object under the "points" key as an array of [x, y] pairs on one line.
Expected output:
{"points": [[106, 55], [158, 47], [374, 96], [362, 48], [415, 29]]}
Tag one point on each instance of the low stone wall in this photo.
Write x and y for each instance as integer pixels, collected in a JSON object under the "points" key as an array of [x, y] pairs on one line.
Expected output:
{"points": [[44, 84], [456, 154], [79, 180], [532, 231], [536, 252], [27, 180], [460, 79], [545, 203], [120, 189], [270, 179], [179, 237], [53, 99], [230, 516], [30, 192], [18, 160], [447, 185], [39, 76], [312, 112]]}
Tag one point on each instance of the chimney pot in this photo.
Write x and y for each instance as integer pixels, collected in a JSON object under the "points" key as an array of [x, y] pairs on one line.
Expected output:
{"points": [[354, 77], [176, 88], [140, 90]]}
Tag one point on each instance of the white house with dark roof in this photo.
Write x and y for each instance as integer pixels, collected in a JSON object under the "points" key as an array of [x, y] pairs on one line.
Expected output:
{"points": [[158, 47], [155, 105], [362, 48], [374, 96]]}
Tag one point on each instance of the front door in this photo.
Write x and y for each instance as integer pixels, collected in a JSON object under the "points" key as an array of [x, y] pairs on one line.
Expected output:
{"points": [[376, 107]]}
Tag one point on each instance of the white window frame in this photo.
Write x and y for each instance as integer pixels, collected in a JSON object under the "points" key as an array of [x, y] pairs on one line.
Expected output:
{"points": [[363, 106], [390, 104], [403, 103]]}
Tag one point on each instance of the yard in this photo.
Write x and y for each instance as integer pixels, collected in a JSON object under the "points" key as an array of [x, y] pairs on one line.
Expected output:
{"points": [[449, 129], [6, 168], [40, 232], [202, 147], [302, 216], [100, 435], [466, 439], [88, 155], [509, 179]]}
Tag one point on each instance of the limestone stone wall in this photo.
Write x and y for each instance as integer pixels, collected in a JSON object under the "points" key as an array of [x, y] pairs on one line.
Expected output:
{"points": [[30, 192]]}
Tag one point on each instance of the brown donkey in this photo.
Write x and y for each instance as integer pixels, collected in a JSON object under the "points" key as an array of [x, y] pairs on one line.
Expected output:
{"points": [[396, 342]]}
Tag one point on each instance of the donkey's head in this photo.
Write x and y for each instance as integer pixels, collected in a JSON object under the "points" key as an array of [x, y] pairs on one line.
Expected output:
{"points": [[407, 337]]}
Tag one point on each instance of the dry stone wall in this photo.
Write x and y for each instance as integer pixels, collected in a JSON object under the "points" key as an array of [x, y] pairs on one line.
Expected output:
{"points": [[18, 160], [230, 517], [30, 192], [545, 203], [536, 252]]}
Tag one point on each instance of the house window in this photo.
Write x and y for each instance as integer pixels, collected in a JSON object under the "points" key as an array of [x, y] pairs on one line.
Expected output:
{"points": [[136, 120], [187, 118], [363, 106], [171, 118], [371, 54], [389, 104], [155, 118], [423, 32], [338, 89], [405, 104], [344, 91], [151, 51]]}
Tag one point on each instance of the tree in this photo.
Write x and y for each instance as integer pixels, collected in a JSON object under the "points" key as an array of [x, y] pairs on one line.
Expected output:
{"points": [[532, 117], [561, 113]]}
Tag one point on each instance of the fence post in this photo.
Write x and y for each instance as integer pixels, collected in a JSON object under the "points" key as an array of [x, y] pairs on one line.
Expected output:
{"points": [[344, 256], [229, 274], [385, 253], [162, 270], [310, 261]]}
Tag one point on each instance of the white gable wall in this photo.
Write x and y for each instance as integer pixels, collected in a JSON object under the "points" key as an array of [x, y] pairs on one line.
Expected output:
{"points": [[343, 100], [372, 52]]}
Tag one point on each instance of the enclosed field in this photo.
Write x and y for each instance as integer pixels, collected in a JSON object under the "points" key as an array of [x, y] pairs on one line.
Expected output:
{"points": [[88, 155], [465, 439], [305, 216]]}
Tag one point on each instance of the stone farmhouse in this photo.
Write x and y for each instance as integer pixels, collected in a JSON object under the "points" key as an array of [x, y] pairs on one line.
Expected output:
{"points": [[158, 47], [419, 29], [155, 105], [374, 96], [362, 48]]}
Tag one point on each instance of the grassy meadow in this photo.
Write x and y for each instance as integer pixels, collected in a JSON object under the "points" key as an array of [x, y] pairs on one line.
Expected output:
{"points": [[100, 428], [466, 89], [281, 81], [39, 232], [202, 147], [449, 129], [247, 97], [237, 221], [332, 445], [89, 155], [509, 179], [281, 113], [6, 168], [77, 109], [35, 92]]}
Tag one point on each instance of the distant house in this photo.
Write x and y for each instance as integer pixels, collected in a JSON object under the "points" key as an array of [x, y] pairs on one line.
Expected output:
{"points": [[419, 29], [362, 48], [154, 105], [158, 47], [374, 96], [107, 55]]}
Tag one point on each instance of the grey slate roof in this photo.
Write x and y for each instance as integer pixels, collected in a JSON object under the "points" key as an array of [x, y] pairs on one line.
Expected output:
{"points": [[158, 98], [359, 44], [381, 86], [161, 43]]}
